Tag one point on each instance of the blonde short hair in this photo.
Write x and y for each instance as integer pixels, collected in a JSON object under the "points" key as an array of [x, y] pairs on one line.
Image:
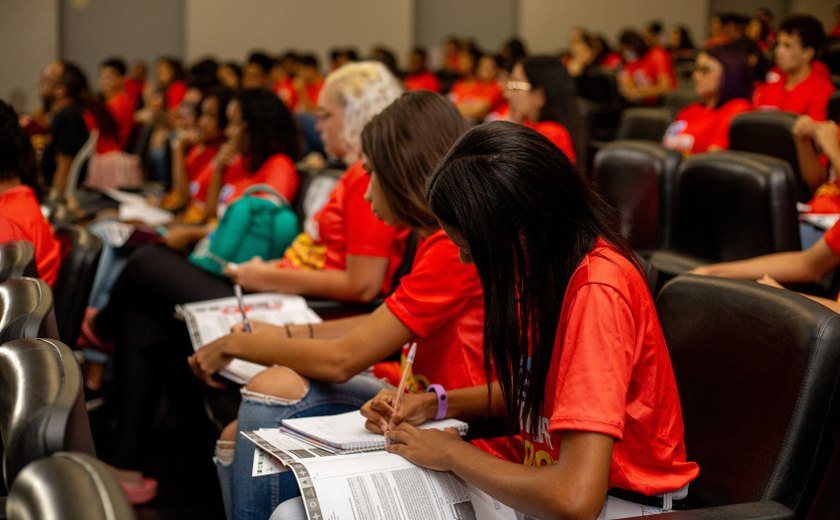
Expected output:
{"points": [[362, 90]]}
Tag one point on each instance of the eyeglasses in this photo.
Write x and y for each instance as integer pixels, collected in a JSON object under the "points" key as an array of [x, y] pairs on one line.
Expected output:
{"points": [[323, 115], [518, 85], [702, 69]]}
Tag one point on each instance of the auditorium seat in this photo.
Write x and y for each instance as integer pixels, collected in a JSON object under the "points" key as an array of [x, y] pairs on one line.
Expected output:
{"points": [[80, 252], [637, 178], [729, 206], [17, 258], [645, 124], [26, 310]]}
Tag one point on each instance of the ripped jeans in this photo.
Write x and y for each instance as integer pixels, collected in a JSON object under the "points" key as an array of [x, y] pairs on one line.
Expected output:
{"points": [[248, 497]]}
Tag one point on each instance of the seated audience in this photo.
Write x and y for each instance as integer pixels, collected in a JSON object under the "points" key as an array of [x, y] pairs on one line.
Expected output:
{"points": [[799, 88], [438, 305], [566, 313], [257, 71], [478, 92], [63, 86], [230, 75], [120, 104], [723, 83], [648, 72], [417, 75], [680, 44], [542, 97], [20, 212]]}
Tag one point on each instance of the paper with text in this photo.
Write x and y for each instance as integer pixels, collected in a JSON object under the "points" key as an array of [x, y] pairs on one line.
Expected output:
{"points": [[211, 319]]}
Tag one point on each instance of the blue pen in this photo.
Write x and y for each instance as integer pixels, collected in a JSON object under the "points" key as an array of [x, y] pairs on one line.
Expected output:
{"points": [[237, 290]]}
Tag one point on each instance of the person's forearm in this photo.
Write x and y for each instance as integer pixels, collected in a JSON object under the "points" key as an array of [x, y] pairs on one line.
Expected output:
{"points": [[62, 171], [470, 403], [180, 181], [809, 163], [533, 490], [325, 283], [213, 189], [329, 329], [787, 267]]}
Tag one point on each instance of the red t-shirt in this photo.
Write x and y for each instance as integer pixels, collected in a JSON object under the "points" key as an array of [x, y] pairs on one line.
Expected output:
{"points": [[21, 219], [104, 143], [175, 94], [442, 302], [278, 171], [465, 90], [121, 108], [613, 376], [197, 160], [423, 81], [697, 126], [134, 89], [313, 90], [646, 70], [809, 96], [346, 225], [557, 134], [285, 90]]}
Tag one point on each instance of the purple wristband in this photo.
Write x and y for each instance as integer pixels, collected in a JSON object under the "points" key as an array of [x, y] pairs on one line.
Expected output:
{"points": [[442, 402]]}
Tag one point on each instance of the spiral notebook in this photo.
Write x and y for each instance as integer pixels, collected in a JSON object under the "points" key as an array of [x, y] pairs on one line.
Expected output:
{"points": [[346, 432]]}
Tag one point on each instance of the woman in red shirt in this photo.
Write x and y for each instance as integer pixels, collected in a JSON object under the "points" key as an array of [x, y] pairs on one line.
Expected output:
{"points": [[542, 97], [478, 93], [572, 336], [438, 305], [20, 212], [648, 72], [723, 83]]}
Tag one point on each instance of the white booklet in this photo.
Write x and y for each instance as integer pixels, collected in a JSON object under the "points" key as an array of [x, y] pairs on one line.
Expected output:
{"points": [[211, 319], [346, 432], [376, 485]]}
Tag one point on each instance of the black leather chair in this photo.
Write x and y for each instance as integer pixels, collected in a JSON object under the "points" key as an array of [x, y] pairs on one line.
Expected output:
{"points": [[80, 252], [67, 485], [644, 124], [17, 258], [603, 104], [834, 107], [757, 371], [26, 310], [42, 407], [678, 99], [637, 178], [729, 206], [769, 133]]}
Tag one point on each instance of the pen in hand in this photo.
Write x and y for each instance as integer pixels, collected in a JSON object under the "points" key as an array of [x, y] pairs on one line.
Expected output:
{"points": [[409, 360], [237, 290]]}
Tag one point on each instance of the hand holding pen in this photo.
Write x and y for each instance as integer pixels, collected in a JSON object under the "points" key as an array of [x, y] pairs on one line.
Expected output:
{"points": [[237, 290]]}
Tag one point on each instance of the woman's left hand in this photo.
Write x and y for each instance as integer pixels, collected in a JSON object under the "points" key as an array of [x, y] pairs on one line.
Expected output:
{"points": [[430, 448], [211, 358]]}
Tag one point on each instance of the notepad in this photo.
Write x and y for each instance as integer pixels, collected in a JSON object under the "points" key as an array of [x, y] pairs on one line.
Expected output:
{"points": [[346, 432]]}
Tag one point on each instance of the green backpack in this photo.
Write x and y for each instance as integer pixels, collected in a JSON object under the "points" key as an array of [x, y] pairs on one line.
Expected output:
{"points": [[251, 226]]}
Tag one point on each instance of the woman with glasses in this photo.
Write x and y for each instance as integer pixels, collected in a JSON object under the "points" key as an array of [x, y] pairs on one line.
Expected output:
{"points": [[542, 96], [723, 82]]}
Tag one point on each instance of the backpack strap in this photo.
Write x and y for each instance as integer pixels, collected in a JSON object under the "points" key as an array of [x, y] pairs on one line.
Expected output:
{"points": [[265, 188]]}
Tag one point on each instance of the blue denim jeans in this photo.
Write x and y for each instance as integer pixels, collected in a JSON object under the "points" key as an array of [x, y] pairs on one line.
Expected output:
{"points": [[248, 497], [111, 263]]}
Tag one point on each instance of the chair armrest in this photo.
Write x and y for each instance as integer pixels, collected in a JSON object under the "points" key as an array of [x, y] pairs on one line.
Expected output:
{"points": [[749, 511]]}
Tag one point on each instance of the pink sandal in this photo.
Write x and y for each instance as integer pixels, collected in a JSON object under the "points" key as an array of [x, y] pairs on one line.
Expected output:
{"points": [[88, 337], [139, 495]]}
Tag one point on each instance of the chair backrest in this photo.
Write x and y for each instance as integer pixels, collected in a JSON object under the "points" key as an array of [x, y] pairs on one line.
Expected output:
{"points": [[314, 190], [17, 258], [678, 99], [757, 372], [734, 205], [78, 162], [80, 252], [769, 133], [637, 178], [831, 57], [645, 124], [834, 107], [26, 310], [42, 407], [67, 485], [599, 86]]}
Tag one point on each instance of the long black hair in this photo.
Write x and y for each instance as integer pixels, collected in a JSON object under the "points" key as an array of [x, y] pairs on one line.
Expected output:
{"points": [[270, 126], [529, 219], [17, 158]]}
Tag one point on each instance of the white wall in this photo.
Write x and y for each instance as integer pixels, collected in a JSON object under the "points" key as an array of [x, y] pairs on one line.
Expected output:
{"points": [[545, 24], [29, 39], [229, 30]]}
